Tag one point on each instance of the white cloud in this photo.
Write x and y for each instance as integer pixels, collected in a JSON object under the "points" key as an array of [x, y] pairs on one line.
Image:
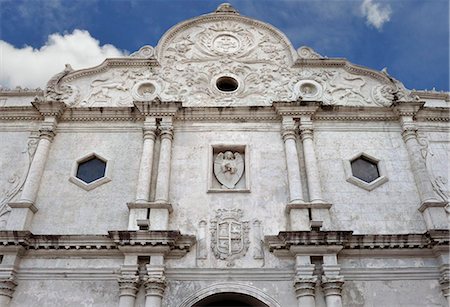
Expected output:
{"points": [[375, 14], [28, 67]]}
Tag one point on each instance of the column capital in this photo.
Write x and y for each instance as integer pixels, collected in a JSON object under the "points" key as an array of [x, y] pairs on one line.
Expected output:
{"points": [[128, 285], [332, 285], [305, 285], [7, 286], [155, 285], [166, 132], [288, 133], [149, 133], [444, 281], [409, 132], [46, 134], [306, 132]]}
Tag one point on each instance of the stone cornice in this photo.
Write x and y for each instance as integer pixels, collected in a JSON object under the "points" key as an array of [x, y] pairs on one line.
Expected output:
{"points": [[21, 92], [102, 114], [174, 244], [49, 108], [227, 114], [434, 114], [214, 114], [432, 95], [108, 63], [19, 113], [408, 108], [171, 243], [284, 241], [346, 65], [157, 107], [296, 108]]}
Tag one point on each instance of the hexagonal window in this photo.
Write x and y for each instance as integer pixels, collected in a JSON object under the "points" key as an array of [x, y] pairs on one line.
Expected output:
{"points": [[90, 171], [365, 171]]}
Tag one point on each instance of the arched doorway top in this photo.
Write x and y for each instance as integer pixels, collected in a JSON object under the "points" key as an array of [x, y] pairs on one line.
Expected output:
{"points": [[227, 287]]}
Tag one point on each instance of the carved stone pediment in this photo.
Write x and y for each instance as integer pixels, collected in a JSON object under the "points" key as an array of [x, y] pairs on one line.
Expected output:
{"points": [[257, 60]]}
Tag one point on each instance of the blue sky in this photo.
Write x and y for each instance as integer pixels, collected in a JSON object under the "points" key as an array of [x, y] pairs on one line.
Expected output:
{"points": [[409, 37]]}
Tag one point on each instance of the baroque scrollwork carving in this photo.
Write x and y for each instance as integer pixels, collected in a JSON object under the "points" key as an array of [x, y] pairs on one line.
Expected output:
{"points": [[229, 235], [16, 181], [199, 55]]}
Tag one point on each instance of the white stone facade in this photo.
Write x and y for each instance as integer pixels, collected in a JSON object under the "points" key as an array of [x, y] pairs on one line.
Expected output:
{"points": [[228, 176]]}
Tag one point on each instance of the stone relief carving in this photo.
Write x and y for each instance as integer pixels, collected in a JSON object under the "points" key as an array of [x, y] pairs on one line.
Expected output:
{"points": [[229, 235], [113, 88], [16, 182], [211, 50], [438, 181], [228, 168], [144, 52], [305, 52], [53, 91]]}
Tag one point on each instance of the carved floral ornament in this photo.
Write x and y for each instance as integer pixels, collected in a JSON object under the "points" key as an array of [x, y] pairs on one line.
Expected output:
{"points": [[194, 54]]}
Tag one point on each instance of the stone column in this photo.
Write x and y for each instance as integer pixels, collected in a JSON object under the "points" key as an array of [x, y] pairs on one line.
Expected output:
{"points": [[7, 287], [305, 288], [138, 209], [305, 282], [332, 289], [332, 282], [293, 170], [145, 169], [431, 207], [298, 213], [128, 283], [22, 211], [155, 282], [312, 170], [159, 217]]}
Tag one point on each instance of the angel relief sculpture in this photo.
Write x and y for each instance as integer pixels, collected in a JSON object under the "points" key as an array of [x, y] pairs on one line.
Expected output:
{"points": [[228, 168]]}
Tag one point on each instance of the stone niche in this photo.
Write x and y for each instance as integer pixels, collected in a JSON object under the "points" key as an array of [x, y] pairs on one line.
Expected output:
{"points": [[228, 168]]}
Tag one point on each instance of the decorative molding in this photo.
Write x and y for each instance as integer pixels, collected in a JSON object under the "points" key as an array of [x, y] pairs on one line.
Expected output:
{"points": [[225, 287], [109, 63], [347, 240]]}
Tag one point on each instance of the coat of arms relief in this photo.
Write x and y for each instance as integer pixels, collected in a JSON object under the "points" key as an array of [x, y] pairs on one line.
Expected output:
{"points": [[229, 235]]}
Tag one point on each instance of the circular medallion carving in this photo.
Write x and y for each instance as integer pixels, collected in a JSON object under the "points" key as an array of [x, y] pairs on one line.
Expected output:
{"points": [[145, 90], [226, 43], [308, 89]]}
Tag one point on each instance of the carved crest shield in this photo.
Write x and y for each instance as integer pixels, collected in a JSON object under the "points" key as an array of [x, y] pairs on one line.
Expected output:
{"points": [[228, 168], [229, 238]]}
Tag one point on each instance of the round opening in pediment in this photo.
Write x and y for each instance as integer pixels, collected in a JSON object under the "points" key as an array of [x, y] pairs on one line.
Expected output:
{"points": [[227, 84]]}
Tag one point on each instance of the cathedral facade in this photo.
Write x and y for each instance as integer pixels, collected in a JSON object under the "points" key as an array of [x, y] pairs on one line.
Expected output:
{"points": [[224, 168]]}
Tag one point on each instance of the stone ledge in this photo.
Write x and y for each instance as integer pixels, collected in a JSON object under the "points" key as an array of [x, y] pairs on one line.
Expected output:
{"points": [[307, 205], [23, 205], [150, 205]]}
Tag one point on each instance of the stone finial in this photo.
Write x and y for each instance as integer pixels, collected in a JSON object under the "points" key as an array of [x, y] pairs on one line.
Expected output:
{"points": [[226, 8]]}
